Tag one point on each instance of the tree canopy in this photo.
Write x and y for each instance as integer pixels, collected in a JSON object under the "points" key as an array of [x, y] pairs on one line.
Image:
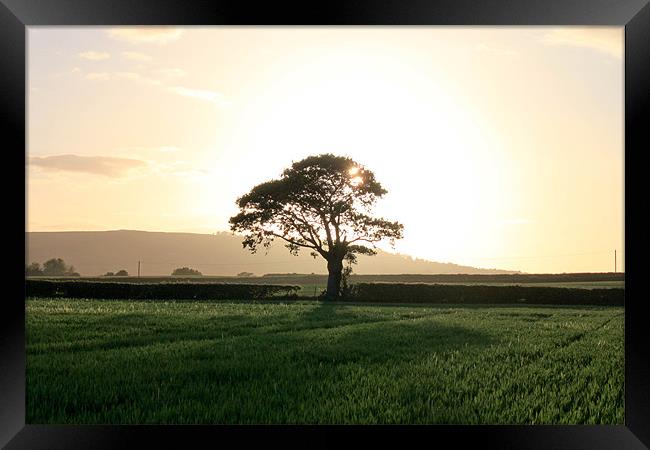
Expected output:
{"points": [[322, 203], [55, 267]]}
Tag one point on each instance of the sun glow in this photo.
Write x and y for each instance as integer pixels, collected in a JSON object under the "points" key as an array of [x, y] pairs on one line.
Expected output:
{"points": [[476, 167]]}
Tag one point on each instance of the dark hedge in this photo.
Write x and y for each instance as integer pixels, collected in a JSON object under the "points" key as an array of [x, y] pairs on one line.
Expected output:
{"points": [[151, 291], [480, 294], [360, 292]]}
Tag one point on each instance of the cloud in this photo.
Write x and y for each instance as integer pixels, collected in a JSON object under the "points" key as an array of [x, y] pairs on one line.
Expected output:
{"points": [[94, 56], [171, 72], [201, 94], [98, 76], [162, 149], [169, 149], [106, 76], [182, 169], [146, 35], [96, 165], [126, 76], [499, 51], [608, 41], [136, 56]]}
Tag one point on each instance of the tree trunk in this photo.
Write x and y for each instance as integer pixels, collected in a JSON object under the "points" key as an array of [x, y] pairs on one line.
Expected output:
{"points": [[335, 269]]}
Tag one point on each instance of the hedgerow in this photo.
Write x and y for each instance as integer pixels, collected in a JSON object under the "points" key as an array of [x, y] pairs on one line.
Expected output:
{"points": [[481, 294], [150, 291], [359, 292]]}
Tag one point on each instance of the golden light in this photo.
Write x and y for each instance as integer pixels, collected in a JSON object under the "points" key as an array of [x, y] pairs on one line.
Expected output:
{"points": [[427, 127], [356, 181]]}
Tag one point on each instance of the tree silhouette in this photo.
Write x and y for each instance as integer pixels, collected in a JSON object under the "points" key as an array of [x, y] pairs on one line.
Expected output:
{"points": [[322, 203], [34, 269], [186, 271]]}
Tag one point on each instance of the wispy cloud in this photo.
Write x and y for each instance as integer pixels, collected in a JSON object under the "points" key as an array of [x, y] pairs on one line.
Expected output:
{"points": [[97, 76], [136, 56], [181, 169], [170, 72], [499, 51], [106, 76], [201, 94], [127, 76], [169, 149], [608, 40], [94, 56], [97, 165], [154, 149], [146, 35]]}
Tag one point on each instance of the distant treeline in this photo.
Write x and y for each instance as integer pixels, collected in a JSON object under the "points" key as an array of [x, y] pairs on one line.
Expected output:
{"points": [[361, 292], [55, 267]]}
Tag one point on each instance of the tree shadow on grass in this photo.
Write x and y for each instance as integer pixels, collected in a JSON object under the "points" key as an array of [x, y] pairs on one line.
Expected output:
{"points": [[402, 335], [360, 371], [324, 364]]}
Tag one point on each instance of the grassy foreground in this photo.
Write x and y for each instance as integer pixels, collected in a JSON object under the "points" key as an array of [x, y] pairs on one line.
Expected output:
{"points": [[127, 362]]}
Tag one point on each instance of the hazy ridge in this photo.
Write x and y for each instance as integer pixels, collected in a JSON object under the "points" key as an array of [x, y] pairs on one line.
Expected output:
{"points": [[97, 252]]}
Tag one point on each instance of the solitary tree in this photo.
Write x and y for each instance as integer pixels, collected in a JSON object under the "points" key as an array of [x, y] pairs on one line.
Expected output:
{"points": [[322, 203]]}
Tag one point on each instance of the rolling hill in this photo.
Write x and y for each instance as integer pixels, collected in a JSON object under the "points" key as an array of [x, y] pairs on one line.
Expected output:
{"points": [[97, 252]]}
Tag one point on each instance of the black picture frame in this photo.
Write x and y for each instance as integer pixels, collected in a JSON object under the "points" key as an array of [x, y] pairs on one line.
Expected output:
{"points": [[634, 15]]}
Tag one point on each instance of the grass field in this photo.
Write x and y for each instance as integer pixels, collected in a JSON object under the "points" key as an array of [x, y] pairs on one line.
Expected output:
{"points": [[127, 362]]}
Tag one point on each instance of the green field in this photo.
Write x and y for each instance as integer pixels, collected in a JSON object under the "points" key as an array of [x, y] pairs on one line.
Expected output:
{"points": [[127, 362]]}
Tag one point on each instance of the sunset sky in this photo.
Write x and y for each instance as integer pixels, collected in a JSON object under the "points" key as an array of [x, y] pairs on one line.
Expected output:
{"points": [[499, 146]]}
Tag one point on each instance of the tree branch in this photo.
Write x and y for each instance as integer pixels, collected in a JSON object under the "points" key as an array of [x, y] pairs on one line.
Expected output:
{"points": [[292, 242]]}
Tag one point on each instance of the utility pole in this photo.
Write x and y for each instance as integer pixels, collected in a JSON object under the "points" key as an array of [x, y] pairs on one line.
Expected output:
{"points": [[614, 261], [138, 269]]}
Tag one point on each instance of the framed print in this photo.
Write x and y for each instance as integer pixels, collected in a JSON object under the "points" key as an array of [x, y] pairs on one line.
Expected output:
{"points": [[387, 220]]}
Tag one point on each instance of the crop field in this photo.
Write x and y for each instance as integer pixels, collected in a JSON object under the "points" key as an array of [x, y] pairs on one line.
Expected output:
{"points": [[168, 362]]}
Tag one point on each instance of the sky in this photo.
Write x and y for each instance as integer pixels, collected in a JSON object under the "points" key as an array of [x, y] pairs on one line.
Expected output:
{"points": [[500, 147]]}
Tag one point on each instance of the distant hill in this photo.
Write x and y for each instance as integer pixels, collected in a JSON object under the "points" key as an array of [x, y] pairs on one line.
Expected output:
{"points": [[97, 252]]}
